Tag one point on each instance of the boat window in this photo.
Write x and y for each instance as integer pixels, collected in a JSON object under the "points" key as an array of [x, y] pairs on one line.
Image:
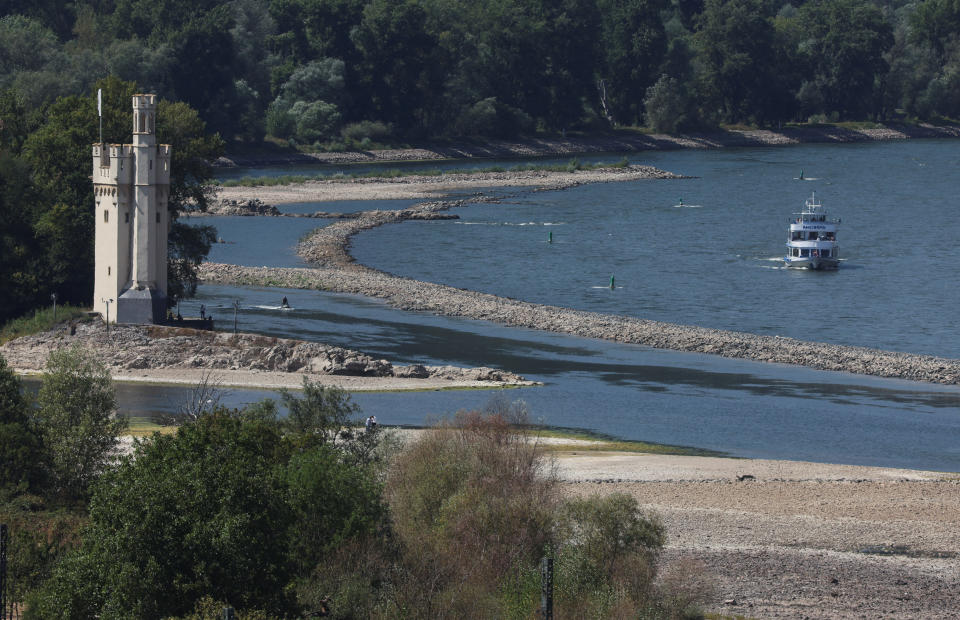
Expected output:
{"points": [[825, 253], [796, 251], [797, 235], [813, 235], [804, 252]]}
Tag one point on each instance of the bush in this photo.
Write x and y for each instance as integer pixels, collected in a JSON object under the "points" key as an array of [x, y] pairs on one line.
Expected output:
{"points": [[374, 131], [76, 421], [21, 465], [314, 121], [489, 117]]}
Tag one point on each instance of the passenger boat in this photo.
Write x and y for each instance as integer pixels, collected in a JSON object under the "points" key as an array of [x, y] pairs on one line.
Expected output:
{"points": [[812, 238]]}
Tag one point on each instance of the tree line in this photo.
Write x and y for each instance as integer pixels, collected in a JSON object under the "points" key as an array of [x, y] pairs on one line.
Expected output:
{"points": [[306, 514], [333, 74], [341, 71]]}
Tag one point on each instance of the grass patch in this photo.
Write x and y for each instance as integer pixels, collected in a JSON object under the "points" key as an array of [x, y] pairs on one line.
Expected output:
{"points": [[144, 427], [572, 165], [607, 443], [42, 320]]}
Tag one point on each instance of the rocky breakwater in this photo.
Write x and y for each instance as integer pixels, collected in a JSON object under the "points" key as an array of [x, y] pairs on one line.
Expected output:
{"points": [[139, 347], [336, 271]]}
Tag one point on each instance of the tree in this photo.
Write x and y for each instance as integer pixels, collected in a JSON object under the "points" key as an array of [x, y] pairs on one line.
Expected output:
{"points": [[227, 508], [632, 46], [736, 56], [20, 449], [76, 421], [665, 105], [843, 48]]}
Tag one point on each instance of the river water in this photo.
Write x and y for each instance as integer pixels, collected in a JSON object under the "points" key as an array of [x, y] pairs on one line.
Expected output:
{"points": [[711, 262]]}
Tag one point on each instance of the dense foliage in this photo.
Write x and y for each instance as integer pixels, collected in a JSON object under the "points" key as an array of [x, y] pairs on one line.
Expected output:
{"points": [[307, 515], [322, 70], [353, 73]]}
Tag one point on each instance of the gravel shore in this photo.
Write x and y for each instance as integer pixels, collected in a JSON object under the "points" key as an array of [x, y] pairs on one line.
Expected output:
{"points": [[622, 142], [179, 355], [425, 187], [784, 539]]}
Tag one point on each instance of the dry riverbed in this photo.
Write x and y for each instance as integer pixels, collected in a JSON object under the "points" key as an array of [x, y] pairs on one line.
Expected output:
{"points": [[786, 539]]}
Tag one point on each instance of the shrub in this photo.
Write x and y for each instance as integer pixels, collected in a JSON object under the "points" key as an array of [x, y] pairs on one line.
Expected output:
{"points": [[472, 502], [76, 421], [374, 131], [20, 448]]}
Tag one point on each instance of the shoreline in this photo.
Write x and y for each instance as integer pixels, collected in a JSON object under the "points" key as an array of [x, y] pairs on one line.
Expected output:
{"points": [[337, 271], [174, 355], [619, 142], [428, 187]]}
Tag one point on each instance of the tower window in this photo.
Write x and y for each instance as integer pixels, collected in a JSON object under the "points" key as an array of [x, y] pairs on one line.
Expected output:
{"points": [[106, 216], [126, 217], [108, 269], [158, 217]]}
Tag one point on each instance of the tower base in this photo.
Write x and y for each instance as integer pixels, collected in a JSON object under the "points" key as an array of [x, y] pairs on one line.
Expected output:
{"points": [[141, 306]]}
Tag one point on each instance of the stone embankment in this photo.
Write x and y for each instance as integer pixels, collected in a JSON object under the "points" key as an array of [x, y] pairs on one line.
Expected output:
{"points": [[327, 247], [256, 207], [137, 347], [615, 143]]}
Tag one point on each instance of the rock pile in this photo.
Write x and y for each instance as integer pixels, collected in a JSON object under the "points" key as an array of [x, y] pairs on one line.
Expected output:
{"points": [[133, 347]]}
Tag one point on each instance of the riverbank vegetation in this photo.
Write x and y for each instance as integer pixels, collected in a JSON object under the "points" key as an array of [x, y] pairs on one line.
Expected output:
{"points": [[350, 74], [303, 515]]}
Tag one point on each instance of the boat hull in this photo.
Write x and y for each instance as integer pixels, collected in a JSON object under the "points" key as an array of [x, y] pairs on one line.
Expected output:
{"points": [[818, 264]]}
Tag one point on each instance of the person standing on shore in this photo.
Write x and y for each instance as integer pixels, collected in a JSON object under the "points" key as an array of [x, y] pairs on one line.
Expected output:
{"points": [[203, 312]]}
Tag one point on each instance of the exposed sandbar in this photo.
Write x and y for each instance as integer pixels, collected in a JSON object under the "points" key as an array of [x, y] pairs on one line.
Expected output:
{"points": [[421, 187]]}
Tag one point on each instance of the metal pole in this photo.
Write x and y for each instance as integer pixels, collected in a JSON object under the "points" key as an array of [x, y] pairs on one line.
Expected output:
{"points": [[3, 573], [546, 588], [53, 296], [236, 307]]}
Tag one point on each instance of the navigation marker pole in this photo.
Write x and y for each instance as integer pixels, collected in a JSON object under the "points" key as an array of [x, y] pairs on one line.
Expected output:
{"points": [[611, 283]]}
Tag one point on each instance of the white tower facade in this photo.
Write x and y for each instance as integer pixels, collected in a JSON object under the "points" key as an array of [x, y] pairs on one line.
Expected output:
{"points": [[131, 184]]}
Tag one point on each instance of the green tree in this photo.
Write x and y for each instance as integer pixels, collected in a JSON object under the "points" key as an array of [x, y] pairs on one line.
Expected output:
{"points": [[76, 421], [632, 46], [737, 61], [843, 50], [665, 104], [228, 509], [20, 450]]}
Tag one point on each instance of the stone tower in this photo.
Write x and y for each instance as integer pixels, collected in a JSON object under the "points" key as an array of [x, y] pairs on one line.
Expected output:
{"points": [[131, 185]]}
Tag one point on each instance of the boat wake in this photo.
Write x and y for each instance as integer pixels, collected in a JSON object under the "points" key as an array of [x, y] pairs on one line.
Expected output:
{"points": [[685, 206], [510, 223], [272, 307]]}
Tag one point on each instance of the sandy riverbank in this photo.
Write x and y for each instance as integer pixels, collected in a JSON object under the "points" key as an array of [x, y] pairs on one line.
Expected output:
{"points": [[619, 142], [797, 540], [418, 187]]}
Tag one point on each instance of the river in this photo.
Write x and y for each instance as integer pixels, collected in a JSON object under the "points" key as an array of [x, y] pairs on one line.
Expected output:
{"points": [[712, 262]]}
